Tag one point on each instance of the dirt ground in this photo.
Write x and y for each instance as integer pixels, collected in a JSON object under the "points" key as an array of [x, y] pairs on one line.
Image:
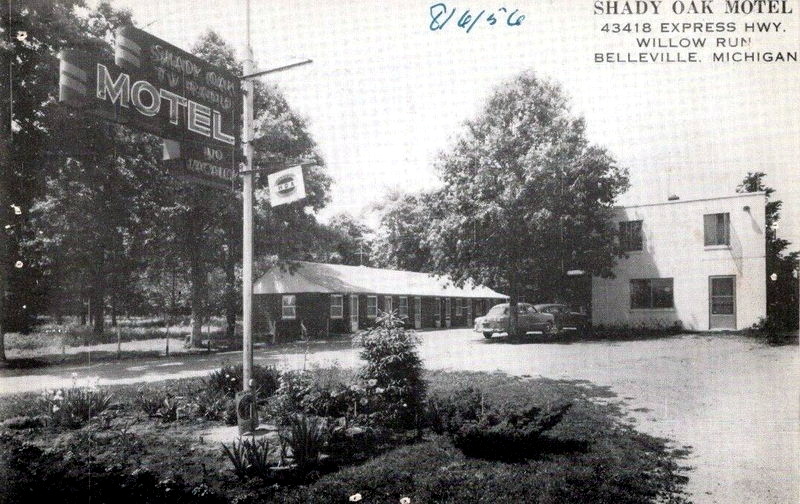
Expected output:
{"points": [[735, 402]]}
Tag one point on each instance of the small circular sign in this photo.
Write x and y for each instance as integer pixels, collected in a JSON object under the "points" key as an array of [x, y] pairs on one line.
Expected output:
{"points": [[285, 184]]}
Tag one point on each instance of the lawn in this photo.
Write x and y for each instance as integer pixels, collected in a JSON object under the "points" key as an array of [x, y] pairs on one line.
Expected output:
{"points": [[591, 455]]}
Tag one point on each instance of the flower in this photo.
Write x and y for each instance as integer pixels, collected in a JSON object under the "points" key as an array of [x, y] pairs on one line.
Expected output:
{"points": [[372, 382], [380, 390], [405, 500], [74, 375], [19, 264], [363, 401], [55, 408], [355, 497]]}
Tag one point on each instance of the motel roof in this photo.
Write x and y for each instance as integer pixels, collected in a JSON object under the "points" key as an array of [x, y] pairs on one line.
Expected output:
{"points": [[307, 277]]}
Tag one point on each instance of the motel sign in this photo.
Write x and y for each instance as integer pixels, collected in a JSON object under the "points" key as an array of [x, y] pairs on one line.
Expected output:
{"points": [[153, 86]]}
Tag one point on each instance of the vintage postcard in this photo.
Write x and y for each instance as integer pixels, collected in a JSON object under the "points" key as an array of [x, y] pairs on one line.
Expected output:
{"points": [[402, 252]]}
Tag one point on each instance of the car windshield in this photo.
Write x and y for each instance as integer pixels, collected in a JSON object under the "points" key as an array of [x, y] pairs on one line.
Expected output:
{"points": [[499, 310]]}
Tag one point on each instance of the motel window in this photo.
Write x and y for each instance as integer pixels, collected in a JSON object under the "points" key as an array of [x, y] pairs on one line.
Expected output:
{"points": [[403, 306], [469, 309], [447, 308], [717, 229], [437, 309], [372, 306], [458, 307], [387, 304], [337, 306], [652, 293], [630, 235], [289, 307]]}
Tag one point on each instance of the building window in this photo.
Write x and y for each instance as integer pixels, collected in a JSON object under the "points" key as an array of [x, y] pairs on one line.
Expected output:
{"points": [[630, 235], [403, 306], [437, 309], [337, 306], [447, 308], [387, 304], [652, 293], [289, 307], [458, 307], [717, 229], [468, 309], [372, 306]]}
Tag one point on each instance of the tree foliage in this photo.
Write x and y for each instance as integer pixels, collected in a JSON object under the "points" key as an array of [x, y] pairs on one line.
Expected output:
{"points": [[101, 220], [782, 302], [526, 197]]}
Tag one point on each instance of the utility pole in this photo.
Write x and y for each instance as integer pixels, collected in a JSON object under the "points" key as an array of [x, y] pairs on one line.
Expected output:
{"points": [[247, 216], [247, 200]]}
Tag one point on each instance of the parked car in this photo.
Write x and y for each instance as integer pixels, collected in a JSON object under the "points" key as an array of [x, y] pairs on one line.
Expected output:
{"points": [[549, 319]]}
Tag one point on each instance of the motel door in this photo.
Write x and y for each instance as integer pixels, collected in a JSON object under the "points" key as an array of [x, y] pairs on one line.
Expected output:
{"points": [[417, 313], [722, 302], [353, 313]]}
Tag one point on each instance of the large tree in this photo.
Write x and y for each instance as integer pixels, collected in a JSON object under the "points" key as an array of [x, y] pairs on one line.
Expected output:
{"points": [[526, 197], [401, 238], [782, 302]]}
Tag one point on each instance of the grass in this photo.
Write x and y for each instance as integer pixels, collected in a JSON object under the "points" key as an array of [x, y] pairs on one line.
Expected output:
{"points": [[591, 456]]}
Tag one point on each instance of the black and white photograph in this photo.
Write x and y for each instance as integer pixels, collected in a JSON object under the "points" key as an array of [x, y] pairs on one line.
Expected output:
{"points": [[390, 251]]}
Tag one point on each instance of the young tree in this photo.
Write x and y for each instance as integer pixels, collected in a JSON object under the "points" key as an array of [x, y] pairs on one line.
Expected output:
{"points": [[525, 196], [782, 302]]}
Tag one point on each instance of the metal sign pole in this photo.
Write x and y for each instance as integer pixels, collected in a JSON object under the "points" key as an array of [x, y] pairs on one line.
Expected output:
{"points": [[247, 218]]}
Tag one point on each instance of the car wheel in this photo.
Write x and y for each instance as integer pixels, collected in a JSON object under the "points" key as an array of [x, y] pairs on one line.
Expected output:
{"points": [[487, 335], [549, 329]]}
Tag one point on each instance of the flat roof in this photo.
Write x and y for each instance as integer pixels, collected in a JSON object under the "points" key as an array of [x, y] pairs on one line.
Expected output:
{"points": [[678, 201], [297, 277]]}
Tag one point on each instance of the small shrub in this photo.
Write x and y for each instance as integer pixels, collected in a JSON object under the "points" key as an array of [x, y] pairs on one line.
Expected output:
{"points": [[446, 412], [305, 436], [485, 430], [213, 405], [393, 370], [228, 380], [250, 457], [158, 404], [24, 422], [772, 330], [72, 407]]}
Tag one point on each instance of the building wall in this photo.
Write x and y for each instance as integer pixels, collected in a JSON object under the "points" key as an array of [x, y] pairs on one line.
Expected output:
{"points": [[673, 247], [313, 310]]}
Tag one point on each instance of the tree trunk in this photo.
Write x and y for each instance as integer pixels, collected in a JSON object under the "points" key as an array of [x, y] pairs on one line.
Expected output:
{"points": [[513, 316], [197, 277], [99, 295], [113, 310]]}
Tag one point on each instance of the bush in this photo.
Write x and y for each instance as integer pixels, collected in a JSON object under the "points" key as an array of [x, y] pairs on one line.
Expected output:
{"points": [[213, 405], [487, 431], [305, 436], [158, 404], [393, 371], [772, 330], [228, 380], [72, 407], [250, 458]]}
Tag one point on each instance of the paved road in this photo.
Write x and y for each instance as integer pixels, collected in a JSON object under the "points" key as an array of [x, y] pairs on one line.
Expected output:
{"points": [[735, 402]]}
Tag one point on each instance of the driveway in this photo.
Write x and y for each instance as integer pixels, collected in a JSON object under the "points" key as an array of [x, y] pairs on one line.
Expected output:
{"points": [[735, 402]]}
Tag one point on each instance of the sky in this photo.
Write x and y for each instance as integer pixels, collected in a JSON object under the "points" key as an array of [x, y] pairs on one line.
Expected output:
{"points": [[385, 94]]}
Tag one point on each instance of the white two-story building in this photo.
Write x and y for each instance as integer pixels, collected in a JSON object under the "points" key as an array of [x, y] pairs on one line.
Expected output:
{"points": [[697, 262]]}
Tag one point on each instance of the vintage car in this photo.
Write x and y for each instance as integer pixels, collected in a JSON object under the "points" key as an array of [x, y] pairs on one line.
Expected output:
{"points": [[549, 319]]}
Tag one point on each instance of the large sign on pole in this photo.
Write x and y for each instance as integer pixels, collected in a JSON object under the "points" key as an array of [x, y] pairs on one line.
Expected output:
{"points": [[154, 86]]}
